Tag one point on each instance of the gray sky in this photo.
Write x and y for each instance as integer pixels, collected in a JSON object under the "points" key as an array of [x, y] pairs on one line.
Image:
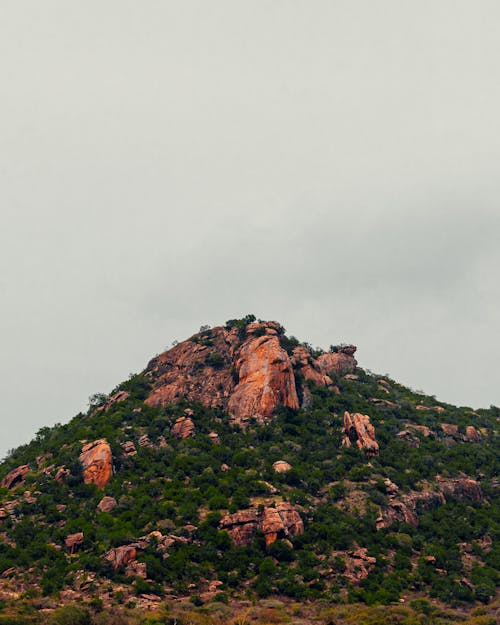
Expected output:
{"points": [[333, 165]]}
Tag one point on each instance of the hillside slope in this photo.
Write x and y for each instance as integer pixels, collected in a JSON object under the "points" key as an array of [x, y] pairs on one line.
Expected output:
{"points": [[244, 463]]}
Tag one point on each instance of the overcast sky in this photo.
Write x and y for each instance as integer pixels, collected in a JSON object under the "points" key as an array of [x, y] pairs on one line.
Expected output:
{"points": [[333, 165]]}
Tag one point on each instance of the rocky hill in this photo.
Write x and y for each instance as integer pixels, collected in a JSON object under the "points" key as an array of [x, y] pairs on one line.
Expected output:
{"points": [[243, 463]]}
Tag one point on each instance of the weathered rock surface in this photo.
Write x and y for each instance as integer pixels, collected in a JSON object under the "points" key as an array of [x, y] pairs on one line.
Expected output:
{"points": [[97, 462], [472, 435], [281, 466], [449, 429], [73, 541], [265, 374], [120, 556], [407, 507], [246, 372], [358, 430], [303, 361], [129, 448], [15, 477], [107, 504], [183, 428], [281, 521]]}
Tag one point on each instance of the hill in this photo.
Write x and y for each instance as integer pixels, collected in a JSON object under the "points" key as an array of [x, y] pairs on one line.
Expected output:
{"points": [[242, 464]]}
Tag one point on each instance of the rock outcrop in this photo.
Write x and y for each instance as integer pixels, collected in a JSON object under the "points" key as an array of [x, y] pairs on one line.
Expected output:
{"points": [[120, 556], [73, 541], [107, 504], [303, 361], [281, 521], [358, 430], [265, 375], [15, 477], [281, 466], [183, 428], [407, 507], [340, 362], [245, 371], [472, 435], [97, 462]]}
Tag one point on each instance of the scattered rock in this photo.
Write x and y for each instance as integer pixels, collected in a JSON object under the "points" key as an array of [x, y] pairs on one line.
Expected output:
{"points": [[280, 466], [73, 541], [129, 448], [107, 504], [275, 522], [183, 428], [359, 430], [449, 429], [224, 467], [61, 474], [472, 435], [214, 438]]}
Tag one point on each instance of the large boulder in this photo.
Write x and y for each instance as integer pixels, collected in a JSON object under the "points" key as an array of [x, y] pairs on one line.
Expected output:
{"points": [[97, 462], [15, 477], [183, 428], [358, 430], [339, 362], [265, 375]]}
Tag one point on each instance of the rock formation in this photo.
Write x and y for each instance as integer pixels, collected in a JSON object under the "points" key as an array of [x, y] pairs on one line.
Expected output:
{"points": [[359, 430], [472, 435], [183, 428], [73, 541], [120, 556], [245, 371], [340, 362], [15, 477], [406, 507], [281, 466], [281, 521], [265, 375], [96, 459], [107, 504]]}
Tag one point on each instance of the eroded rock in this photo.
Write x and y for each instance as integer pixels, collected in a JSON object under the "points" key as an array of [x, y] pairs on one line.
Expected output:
{"points": [[96, 459], [281, 466], [15, 477], [281, 521], [183, 428], [107, 504], [358, 430]]}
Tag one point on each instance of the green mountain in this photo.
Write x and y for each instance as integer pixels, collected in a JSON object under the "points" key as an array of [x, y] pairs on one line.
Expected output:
{"points": [[242, 464]]}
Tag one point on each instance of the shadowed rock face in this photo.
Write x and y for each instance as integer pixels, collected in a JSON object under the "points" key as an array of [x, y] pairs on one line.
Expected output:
{"points": [[248, 374], [358, 430], [279, 522], [15, 477], [97, 462]]}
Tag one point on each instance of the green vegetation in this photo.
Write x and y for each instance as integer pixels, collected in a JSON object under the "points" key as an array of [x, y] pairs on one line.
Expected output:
{"points": [[181, 490]]}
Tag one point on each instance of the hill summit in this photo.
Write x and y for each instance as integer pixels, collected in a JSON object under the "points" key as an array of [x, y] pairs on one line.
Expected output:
{"points": [[244, 463]]}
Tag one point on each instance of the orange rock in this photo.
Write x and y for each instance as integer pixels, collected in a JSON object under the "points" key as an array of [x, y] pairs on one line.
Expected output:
{"points": [[183, 428], [280, 466], [358, 429], [73, 541], [303, 361], [107, 504], [449, 429], [96, 459], [15, 477], [120, 556], [339, 362], [266, 379], [279, 522], [472, 435]]}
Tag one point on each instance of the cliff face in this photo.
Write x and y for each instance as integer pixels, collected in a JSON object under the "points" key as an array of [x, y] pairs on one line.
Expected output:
{"points": [[246, 372]]}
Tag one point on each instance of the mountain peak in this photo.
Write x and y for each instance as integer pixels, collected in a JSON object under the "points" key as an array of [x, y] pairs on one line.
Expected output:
{"points": [[246, 367]]}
